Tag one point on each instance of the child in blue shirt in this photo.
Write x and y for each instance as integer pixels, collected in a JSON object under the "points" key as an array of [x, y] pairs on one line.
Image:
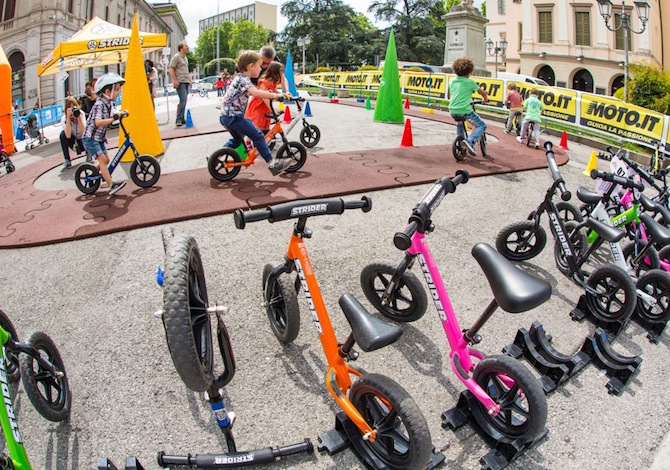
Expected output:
{"points": [[235, 102], [460, 95]]}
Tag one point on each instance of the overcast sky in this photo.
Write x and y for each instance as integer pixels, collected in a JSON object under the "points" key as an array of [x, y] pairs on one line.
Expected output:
{"points": [[195, 10]]}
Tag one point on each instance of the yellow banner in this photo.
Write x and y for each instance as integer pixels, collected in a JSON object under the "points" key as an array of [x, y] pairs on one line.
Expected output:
{"points": [[355, 80], [493, 87], [423, 84], [559, 103]]}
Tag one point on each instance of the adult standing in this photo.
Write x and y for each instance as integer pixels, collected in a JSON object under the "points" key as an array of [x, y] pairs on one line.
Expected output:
{"points": [[73, 122], [180, 79]]}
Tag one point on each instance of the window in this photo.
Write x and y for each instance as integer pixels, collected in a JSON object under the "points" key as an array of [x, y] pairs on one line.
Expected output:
{"points": [[10, 6], [582, 28], [107, 13], [70, 6], [620, 34], [92, 9], [545, 27], [502, 7], [520, 35]]}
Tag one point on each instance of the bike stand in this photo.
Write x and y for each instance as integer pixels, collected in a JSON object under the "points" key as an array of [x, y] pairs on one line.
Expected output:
{"points": [[346, 434], [581, 312], [654, 329], [555, 367], [131, 464], [618, 368], [503, 450]]}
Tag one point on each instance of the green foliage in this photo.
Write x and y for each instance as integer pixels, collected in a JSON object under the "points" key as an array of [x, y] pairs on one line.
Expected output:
{"points": [[366, 68], [449, 4], [650, 88], [210, 67], [619, 93], [323, 69], [233, 37], [246, 35], [191, 61], [414, 69]]}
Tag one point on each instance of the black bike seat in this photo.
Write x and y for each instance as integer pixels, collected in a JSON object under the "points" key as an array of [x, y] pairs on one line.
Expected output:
{"points": [[653, 206], [588, 196], [369, 332], [657, 232], [515, 291], [459, 118], [609, 233]]}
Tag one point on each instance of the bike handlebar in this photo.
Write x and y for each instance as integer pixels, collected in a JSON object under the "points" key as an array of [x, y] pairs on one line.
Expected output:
{"points": [[236, 459], [625, 182], [296, 209], [555, 174], [424, 209]]}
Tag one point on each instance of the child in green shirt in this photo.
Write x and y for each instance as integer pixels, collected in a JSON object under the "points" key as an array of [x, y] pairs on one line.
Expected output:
{"points": [[460, 92], [533, 107]]}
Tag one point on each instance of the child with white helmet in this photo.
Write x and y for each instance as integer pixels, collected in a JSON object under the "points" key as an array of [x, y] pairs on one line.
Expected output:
{"points": [[100, 117]]}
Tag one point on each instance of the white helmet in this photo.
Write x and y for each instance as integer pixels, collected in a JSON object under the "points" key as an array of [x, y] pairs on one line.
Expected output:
{"points": [[108, 79]]}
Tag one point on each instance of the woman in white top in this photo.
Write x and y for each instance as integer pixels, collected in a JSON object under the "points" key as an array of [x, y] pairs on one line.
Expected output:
{"points": [[73, 122]]}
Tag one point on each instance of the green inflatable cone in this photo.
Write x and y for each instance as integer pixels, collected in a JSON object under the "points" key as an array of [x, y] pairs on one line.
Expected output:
{"points": [[389, 102]]}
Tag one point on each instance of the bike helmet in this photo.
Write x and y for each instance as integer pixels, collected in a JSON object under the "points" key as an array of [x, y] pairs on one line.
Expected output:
{"points": [[107, 79]]}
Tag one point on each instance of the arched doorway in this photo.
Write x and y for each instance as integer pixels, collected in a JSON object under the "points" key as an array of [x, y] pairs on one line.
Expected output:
{"points": [[583, 81], [547, 74], [617, 83], [17, 62]]}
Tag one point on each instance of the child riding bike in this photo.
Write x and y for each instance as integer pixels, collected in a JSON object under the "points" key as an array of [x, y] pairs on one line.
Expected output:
{"points": [[258, 108], [460, 92], [533, 107], [513, 101], [234, 104]]}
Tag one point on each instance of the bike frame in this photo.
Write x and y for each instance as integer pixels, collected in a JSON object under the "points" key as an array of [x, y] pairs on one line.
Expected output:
{"points": [[296, 119], [461, 354], [252, 152], [338, 378]]}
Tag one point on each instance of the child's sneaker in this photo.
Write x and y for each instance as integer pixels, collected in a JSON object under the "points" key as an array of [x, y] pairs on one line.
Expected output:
{"points": [[470, 148], [66, 164], [506, 131], [278, 165], [519, 139], [116, 187], [537, 146]]}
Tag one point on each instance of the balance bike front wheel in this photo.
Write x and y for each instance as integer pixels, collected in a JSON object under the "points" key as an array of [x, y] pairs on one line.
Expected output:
{"points": [[11, 358], [216, 164], [611, 295], [49, 394], [521, 241], [310, 135], [523, 405], [145, 171], [281, 303], [87, 178], [188, 329], [458, 148], [296, 152], [482, 144], [403, 437]]}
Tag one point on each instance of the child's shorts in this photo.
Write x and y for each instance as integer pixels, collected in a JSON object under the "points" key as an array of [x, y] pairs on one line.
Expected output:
{"points": [[93, 147]]}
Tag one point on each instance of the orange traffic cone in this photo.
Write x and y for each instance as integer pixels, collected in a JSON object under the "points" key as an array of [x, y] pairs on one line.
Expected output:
{"points": [[407, 103], [407, 135], [287, 115], [564, 141]]}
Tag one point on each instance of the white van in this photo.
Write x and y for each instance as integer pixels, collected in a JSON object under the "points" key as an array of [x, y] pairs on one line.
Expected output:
{"points": [[521, 78]]}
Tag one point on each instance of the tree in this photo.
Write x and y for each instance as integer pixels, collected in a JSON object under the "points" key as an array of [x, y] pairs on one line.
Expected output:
{"points": [[233, 37], [650, 88], [245, 35]]}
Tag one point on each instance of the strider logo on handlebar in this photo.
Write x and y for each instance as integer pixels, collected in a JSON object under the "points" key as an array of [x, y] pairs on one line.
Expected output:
{"points": [[432, 288], [432, 194], [227, 460], [310, 209], [560, 234], [8, 402], [308, 294]]}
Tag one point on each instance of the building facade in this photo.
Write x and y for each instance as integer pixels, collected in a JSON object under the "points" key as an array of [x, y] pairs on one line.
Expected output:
{"points": [[567, 44], [31, 29], [258, 13]]}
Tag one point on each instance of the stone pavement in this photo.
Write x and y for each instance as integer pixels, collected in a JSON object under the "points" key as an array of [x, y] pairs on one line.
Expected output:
{"points": [[95, 297]]}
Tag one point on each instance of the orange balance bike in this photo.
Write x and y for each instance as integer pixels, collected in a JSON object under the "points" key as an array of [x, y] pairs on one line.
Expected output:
{"points": [[381, 423], [225, 163]]}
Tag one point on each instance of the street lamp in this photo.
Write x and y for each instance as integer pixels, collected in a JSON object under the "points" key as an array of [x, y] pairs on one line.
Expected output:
{"points": [[497, 48], [642, 8], [302, 42]]}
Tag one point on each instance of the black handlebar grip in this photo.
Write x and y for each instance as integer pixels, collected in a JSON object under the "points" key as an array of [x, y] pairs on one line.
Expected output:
{"points": [[365, 204], [565, 194], [548, 146], [625, 182], [462, 176], [403, 240], [241, 217]]}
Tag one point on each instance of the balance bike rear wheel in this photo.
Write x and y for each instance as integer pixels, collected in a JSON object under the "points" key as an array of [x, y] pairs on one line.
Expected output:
{"points": [[217, 161], [405, 441], [615, 297], [657, 284], [145, 171], [523, 405], [296, 152], [310, 135], [87, 178], [482, 144], [49, 394], [521, 241], [458, 148], [188, 329]]}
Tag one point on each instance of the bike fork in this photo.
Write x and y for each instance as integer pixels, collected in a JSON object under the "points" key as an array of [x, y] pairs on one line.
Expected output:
{"points": [[224, 419], [404, 265]]}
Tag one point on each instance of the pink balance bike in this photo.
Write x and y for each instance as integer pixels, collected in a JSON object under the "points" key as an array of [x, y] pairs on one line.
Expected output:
{"points": [[506, 401]]}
